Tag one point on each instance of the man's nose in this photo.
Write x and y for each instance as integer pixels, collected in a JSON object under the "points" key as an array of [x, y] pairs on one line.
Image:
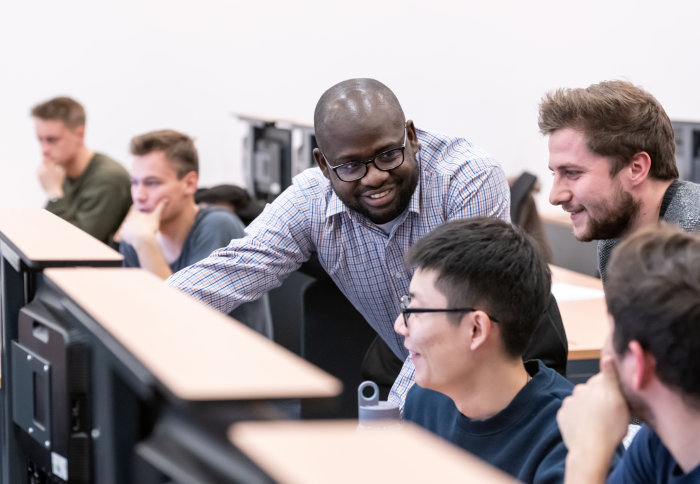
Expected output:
{"points": [[400, 325], [137, 192], [374, 176], [559, 193]]}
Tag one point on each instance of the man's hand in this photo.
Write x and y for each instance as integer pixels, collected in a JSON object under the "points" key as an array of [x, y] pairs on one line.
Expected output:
{"points": [[139, 227], [51, 176], [593, 421]]}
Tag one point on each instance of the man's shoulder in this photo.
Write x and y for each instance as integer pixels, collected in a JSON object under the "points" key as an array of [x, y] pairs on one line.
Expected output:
{"points": [[449, 154], [648, 457], [646, 460], [553, 379], [423, 404], [217, 219], [548, 386], [311, 179], [684, 208], [689, 186], [310, 188], [107, 167]]}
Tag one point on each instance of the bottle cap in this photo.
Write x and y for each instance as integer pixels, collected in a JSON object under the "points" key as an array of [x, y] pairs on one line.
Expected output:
{"points": [[371, 408]]}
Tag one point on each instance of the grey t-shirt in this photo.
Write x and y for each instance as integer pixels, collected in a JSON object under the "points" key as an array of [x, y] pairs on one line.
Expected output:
{"points": [[213, 228]]}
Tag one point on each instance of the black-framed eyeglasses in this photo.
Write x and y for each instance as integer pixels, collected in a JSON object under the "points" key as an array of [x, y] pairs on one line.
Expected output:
{"points": [[357, 169], [405, 301]]}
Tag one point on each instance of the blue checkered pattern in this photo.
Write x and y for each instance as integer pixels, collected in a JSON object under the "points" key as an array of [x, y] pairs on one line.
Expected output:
{"points": [[457, 180]]}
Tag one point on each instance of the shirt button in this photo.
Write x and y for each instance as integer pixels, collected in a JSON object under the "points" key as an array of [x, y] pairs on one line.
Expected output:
{"points": [[398, 275]]}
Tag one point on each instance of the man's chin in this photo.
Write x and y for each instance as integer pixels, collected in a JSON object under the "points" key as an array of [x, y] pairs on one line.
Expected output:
{"points": [[380, 219], [583, 235], [372, 215], [582, 227]]}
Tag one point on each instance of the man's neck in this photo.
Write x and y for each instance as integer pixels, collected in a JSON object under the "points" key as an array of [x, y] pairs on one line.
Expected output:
{"points": [[173, 233], [678, 427], [650, 197], [491, 389], [77, 167]]}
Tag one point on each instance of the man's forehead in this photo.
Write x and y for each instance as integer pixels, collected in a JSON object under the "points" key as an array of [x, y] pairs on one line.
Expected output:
{"points": [[358, 146], [50, 126], [358, 115], [567, 138], [568, 148], [356, 112], [155, 161], [423, 281]]}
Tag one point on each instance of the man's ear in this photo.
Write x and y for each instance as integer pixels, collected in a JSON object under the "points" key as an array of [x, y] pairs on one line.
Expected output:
{"points": [[412, 136], [321, 161], [479, 326], [79, 131], [191, 180], [643, 365], [638, 168]]}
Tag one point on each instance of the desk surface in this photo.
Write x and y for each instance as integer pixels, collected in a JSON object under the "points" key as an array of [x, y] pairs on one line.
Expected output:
{"points": [[319, 452], [585, 320], [42, 239], [195, 351]]}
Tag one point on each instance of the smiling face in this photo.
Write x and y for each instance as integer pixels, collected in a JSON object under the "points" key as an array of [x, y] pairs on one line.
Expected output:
{"points": [[438, 346], [154, 178], [59, 144], [381, 196], [600, 207]]}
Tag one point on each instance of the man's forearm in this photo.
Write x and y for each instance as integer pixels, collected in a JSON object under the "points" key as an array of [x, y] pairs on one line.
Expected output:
{"points": [[151, 258], [586, 468]]}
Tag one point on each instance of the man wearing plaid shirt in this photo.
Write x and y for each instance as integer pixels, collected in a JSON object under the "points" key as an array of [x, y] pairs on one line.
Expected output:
{"points": [[381, 184]]}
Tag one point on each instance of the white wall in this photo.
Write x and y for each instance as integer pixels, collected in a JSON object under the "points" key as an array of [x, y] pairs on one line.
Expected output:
{"points": [[473, 68]]}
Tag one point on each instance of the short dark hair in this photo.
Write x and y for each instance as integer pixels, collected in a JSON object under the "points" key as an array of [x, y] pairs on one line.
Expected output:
{"points": [[653, 294], [489, 264], [178, 148], [619, 120], [64, 109]]}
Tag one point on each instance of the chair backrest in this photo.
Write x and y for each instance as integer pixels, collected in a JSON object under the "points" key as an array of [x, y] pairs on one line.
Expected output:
{"points": [[313, 318], [335, 338], [549, 342], [519, 191], [523, 211]]}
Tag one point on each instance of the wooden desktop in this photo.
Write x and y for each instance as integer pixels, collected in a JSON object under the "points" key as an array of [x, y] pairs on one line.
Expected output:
{"points": [[585, 320], [196, 352], [43, 239], [32, 239], [319, 452]]}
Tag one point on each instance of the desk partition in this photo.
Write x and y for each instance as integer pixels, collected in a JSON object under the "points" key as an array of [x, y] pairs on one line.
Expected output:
{"points": [[138, 382], [110, 376], [30, 241]]}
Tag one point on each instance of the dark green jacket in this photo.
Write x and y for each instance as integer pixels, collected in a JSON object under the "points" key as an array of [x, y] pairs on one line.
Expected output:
{"points": [[97, 201]]}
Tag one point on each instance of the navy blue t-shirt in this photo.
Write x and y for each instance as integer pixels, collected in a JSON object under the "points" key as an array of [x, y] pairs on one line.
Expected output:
{"points": [[647, 460], [523, 439]]}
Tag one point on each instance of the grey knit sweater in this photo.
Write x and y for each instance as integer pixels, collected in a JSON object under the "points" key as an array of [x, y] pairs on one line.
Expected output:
{"points": [[680, 206]]}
